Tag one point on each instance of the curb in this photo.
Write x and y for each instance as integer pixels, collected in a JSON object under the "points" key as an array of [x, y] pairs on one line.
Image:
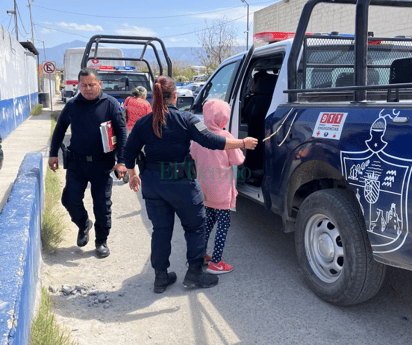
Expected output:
{"points": [[20, 249]]}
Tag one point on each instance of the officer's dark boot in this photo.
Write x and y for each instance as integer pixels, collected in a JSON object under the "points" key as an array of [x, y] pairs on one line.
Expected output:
{"points": [[196, 278], [163, 280], [83, 235], [102, 250]]}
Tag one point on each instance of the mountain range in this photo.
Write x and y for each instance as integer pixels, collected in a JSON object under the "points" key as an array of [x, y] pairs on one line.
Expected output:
{"points": [[183, 54]]}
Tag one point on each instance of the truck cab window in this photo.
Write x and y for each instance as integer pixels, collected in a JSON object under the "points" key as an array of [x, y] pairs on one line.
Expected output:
{"points": [[218, 86]]}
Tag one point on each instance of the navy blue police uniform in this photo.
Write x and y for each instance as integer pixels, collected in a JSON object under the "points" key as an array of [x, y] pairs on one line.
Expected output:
{"points": [[164, 189], [87, 160]]}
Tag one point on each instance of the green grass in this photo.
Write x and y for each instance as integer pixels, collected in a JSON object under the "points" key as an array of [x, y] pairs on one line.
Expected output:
{"points": [[54, 117], [45, 329], [53, 228], [37, 109]]}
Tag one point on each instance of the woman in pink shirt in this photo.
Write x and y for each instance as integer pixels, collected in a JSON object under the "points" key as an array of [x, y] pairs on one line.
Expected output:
{"points": [[136, 106], [216, 177]]}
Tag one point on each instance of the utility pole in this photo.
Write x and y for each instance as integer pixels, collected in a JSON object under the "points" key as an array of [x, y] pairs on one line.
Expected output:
{"points": [[247, 25], [15, 19], [31, 21]]}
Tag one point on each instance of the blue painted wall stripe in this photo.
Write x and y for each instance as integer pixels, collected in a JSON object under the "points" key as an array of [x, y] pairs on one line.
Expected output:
{"points": [[14, 111], [20, 248]]}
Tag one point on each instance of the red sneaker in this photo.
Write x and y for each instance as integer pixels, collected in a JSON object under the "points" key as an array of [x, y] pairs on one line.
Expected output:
{"points": [[219, 268], [207, 260]]}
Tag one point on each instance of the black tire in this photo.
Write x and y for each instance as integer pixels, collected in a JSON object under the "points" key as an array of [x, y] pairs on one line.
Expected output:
{"points": [[333, 249]]}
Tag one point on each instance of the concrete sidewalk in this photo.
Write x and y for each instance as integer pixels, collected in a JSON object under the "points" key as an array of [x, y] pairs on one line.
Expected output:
{"points": [[33, 135]]}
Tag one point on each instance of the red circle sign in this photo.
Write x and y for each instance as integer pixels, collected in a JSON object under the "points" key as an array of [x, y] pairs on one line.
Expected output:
{"points": [[49, 67], [95, 61]]}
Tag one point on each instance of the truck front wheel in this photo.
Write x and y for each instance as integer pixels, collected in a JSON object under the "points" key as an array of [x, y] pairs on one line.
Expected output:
{"points": [[333, 249]]}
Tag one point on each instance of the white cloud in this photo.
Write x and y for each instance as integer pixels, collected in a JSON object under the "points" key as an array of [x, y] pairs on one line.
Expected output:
{"points": [[45, 31], [241, 41], [178, 39], [231, 14], [80, 27], [129, 30]]}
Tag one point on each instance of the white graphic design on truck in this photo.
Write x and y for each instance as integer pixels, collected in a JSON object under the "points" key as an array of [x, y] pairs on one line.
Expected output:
{"points": [[384, 180]]}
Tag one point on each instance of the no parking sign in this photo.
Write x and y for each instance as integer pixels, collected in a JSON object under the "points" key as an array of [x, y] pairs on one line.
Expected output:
{"points": [[49, 67]]}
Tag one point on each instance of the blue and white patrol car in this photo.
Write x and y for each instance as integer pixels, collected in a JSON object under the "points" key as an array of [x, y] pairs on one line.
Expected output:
{"points": [[332, 115]]}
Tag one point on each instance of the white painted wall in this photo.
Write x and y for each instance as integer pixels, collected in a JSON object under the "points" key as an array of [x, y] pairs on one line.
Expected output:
{"points": [[18, 83]]}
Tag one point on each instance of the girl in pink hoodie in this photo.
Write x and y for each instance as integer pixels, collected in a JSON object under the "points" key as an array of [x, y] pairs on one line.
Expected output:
{"points": [[215, 175]]}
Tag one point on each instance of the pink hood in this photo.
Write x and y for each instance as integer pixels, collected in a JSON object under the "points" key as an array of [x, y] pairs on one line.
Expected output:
{"points": [[216, 115], [215, 173]]}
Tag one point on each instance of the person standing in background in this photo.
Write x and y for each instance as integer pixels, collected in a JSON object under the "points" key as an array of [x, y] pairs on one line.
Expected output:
{"points": [[136, 107]]}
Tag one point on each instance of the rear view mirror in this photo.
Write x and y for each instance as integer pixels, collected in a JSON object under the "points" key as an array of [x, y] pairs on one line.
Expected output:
{"points": [[184, 103]]}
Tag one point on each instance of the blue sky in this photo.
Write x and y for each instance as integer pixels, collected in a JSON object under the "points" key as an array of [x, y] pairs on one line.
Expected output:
{"points": [[175, 22]]}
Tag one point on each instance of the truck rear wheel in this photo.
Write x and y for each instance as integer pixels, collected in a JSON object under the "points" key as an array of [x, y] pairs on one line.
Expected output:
{"points": [[333, 249]]}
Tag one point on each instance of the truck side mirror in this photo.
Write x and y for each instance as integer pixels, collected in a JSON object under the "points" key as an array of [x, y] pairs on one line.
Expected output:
{"points": [[185, 103]]}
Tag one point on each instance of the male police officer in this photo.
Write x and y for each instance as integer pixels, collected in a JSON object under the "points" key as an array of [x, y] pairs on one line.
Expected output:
{"points": [[87, 160]]}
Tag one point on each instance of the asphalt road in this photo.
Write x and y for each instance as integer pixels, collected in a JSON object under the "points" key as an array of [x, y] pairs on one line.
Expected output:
{"points": [[281, 309], [263, 301]]}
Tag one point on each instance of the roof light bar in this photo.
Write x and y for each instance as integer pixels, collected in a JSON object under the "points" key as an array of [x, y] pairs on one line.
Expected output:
{"points": [[116, 68], [273, 36]]}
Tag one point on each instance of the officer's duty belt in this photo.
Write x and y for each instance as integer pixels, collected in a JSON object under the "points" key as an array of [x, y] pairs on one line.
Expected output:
{"points": [[92, 158], [176, 169], [162, 166]]}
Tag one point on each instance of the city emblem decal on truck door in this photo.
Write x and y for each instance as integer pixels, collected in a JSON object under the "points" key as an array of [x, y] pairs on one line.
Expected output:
{"points": [[329, 125], [381, 183]]}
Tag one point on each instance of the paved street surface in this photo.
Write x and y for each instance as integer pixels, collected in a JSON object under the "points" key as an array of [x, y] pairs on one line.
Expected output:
{"points": [[263, 301]]}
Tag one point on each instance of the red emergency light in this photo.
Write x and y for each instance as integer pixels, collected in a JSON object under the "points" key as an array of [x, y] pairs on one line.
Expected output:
{"points": [[72, 82], [376, 42], [273, 36], [106, 67]]}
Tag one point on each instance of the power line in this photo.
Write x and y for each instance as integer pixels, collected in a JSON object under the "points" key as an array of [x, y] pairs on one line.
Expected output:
{"points": [[8, 26], [21, 20], [210, 27], [187, 33], [69, 33], [124, 17], [160, 17], [4, 20]]}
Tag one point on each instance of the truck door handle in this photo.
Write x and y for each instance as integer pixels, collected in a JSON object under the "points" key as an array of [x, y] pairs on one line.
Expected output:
{"points": [[400, 120]]}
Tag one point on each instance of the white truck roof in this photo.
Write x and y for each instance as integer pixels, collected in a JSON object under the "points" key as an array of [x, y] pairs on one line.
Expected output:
{"points": [[73, 58]]}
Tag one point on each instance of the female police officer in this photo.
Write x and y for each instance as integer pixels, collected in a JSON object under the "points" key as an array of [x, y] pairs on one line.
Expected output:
{"points": [[168, 181]]}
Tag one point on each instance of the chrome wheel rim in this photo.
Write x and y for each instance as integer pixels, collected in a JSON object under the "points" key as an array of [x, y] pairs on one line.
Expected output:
{"points": [[324, 249]]}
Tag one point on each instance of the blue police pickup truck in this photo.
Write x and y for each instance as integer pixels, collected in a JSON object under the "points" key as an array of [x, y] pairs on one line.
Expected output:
{"points": [[332, 115], [120, 81]]}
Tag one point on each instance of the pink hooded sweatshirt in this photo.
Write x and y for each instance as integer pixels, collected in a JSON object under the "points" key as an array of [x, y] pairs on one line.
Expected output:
{"points": [[214, 167]]}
